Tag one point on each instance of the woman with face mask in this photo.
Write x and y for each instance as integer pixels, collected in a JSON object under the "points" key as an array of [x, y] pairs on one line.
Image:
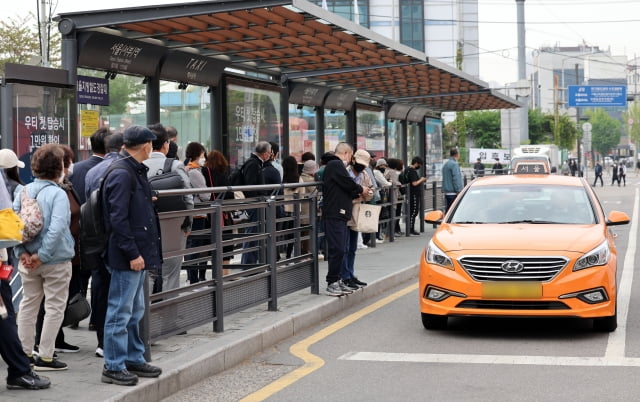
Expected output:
{"points": [[361, 159], [45, 261], [195, 154]]}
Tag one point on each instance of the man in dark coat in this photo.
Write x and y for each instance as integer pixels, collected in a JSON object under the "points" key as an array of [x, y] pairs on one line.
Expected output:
{"points": [[338, 190], [133, 248]]}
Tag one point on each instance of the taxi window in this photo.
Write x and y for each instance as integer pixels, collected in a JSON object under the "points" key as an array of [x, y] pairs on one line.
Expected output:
{"points": [[524, 204]]}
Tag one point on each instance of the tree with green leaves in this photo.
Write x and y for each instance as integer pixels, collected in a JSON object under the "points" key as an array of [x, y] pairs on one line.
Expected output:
{"points": [[605, 130], [19, 41], [540, 127], [484, 128], [633, 114]]}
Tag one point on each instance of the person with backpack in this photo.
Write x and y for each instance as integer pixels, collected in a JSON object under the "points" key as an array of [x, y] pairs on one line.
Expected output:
{"points": [[133, 248], [158, 164], [252, 173], [392, 174], [44, 261], [100, 276]]}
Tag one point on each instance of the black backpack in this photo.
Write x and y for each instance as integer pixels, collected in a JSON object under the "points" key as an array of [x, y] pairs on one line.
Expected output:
{"points": [[236, 177], [165, 179], [403, 178], [93, 232]]}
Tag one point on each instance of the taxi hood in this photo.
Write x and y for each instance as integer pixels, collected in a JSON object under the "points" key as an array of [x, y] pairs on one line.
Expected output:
{"points": [[518, 237]]}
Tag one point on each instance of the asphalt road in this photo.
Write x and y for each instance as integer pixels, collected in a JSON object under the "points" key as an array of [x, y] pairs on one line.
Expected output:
{"points": [[379, 350]]}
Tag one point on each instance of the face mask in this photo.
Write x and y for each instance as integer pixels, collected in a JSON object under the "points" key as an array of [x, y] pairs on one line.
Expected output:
{"points": [[382, 169], [70, 169], [358, 167], [201, 161], [61, 178]]}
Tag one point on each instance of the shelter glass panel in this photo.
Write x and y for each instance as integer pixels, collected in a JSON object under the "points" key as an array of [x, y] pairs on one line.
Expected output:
{"points": [[41, 115], [412, 23], [302, 130], [394, 130], [433, 141], [370, 130], [335, 129], [253, 115], [189, 111], [413, 141]]}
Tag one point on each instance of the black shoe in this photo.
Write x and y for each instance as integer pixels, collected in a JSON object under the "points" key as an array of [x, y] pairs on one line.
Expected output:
{"points": [[414, 233], [75, 325], [66, 348], [350, 284], [144, 370], [122, 377], [358, 282], [28, 381], [52, 365]]}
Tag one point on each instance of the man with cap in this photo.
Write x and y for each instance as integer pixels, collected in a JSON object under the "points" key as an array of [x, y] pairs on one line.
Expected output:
{"points": [[133, 247]]}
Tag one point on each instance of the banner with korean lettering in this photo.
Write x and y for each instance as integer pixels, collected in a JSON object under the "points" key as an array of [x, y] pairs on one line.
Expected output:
{"points": [[41, 116], [92, 90]]}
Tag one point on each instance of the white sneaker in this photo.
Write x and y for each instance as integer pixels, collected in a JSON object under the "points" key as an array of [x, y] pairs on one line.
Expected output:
{"points": [[333, 289], [362, 246], [99, 352]]}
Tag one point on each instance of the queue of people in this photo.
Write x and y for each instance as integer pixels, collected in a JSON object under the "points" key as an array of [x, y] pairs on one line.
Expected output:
{"points": [[53, 267]]}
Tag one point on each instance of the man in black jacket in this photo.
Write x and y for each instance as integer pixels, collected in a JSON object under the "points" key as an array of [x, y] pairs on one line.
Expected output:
{"points": [[338, 192]]}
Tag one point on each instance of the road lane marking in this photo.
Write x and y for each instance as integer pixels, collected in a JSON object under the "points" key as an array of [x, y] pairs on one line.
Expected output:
{"points": [[492, 359], [617, 339], [313, 362]]}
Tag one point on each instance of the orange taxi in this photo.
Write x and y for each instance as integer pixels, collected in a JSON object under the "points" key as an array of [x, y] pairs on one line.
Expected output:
{"points": [[519, 246]]}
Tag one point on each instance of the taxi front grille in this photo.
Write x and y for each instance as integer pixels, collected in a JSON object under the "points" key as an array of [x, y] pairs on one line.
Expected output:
{"points": [[513, 305], [532, 269]]}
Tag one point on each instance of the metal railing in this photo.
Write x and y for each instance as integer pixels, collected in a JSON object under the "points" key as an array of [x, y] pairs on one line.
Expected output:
{"points": [[267, 278]]}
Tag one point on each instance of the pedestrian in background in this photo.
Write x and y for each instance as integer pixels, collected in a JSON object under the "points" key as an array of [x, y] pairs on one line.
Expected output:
{"points": [[598, 173], [171, 266], [45, 261], [195, 154], [622, 174], [451, 178], [497, 167], [415, 186], [478, 168], [392, 174], [134, 247], [291, 176], [614, 174]]}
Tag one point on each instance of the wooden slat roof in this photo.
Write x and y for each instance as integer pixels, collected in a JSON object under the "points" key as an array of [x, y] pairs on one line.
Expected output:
{"points": [[298, 41]]}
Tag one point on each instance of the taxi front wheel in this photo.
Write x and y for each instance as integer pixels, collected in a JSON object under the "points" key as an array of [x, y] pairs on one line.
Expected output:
{"points": [[431, 321]]}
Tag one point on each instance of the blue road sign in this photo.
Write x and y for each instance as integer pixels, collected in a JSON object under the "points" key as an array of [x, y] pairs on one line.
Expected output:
{"points": [[597, 95]]}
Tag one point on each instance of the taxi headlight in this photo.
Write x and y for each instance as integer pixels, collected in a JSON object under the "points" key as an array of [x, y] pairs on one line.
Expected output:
{"points": [[598, 256], [434, 255]]}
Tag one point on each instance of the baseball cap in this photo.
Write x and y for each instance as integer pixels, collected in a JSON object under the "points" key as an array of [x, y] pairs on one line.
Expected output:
{"points": [[134, 135], [9, 159], [381, 162]]}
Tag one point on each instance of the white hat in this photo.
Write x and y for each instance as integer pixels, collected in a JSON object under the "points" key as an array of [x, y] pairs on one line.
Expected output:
{"points": [[362, 157], [8, 159]]}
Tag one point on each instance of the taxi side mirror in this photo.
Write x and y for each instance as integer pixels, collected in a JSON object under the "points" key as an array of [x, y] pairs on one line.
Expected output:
{"points": [[434, 217], [617, 218]]}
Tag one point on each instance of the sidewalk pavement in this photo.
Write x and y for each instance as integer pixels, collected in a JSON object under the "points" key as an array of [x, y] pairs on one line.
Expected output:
{"points": [[188, 359]]}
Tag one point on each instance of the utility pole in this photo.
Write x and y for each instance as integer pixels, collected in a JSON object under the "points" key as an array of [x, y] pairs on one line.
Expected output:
{"points": [[44, 34], [578, 120], [522, 74]]}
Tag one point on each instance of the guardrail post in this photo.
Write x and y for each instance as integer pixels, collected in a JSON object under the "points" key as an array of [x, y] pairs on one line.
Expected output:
{"points": [[271, 251], [313, 246], [261, 225], [216, 265], [391, 227], [421, 208], [296, 224], [407, 210]]}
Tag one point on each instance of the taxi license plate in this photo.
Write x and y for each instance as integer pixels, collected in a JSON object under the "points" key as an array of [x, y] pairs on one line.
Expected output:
{"points": [[512, 290]]}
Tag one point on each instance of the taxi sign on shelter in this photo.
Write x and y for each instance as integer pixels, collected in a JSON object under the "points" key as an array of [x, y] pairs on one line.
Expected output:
{"points": [[597, 95]]}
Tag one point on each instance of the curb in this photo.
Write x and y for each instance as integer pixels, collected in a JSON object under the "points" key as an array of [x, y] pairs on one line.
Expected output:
{"points": [[208, 360]]}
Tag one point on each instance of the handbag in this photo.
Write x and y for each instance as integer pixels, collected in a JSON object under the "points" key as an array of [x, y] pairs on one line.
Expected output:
{"points": [[364, 218], [10, 228], [77, 310]]}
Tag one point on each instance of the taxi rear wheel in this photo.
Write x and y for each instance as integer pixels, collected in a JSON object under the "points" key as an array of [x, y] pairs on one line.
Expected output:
{"points": [[431, 321]]}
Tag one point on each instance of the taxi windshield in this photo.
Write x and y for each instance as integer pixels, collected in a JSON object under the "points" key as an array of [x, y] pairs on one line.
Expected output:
{"points": [[534, 204]]}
